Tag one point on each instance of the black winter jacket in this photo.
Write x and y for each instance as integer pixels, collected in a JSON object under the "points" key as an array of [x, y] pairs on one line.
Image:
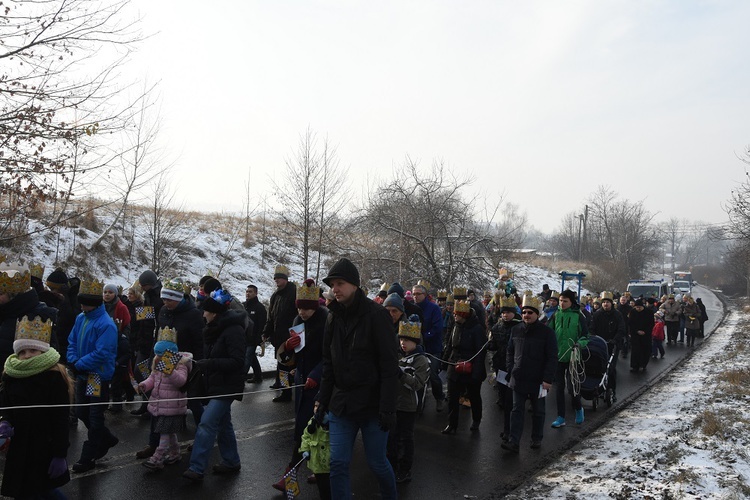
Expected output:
{"points": [[466, 340], [188, 321], [224, 352], [532, 357], [499, 339], [281, 313], [257, 314], [360, 360], [609, 325]]}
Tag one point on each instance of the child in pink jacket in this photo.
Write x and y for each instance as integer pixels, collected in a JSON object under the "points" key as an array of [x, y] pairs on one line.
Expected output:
{"points": [[169, 415]]}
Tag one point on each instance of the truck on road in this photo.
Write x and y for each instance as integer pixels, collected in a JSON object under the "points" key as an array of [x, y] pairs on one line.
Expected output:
{"points": [[683, 282]]}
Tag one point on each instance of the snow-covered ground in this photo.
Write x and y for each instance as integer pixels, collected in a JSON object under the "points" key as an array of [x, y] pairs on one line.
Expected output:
{"points": [[688, 438]]}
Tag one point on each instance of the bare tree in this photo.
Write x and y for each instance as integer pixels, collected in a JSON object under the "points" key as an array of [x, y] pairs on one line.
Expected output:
{"points": [[312, 194], [425, 228], [167, 229]]}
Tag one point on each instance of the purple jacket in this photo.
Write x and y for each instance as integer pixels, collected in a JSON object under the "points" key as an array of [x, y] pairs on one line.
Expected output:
{"points": [[168, 387]]}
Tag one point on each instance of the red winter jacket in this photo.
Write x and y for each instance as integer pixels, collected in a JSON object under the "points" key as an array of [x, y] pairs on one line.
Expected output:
{"points": [[658, 332]]}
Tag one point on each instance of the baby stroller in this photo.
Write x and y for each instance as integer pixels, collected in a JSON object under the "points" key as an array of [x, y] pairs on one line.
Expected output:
{"points": [[596, 360]]}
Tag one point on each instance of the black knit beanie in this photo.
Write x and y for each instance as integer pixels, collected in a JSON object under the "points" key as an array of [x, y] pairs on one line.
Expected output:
{"points": [[148, 278], [343, 269]]}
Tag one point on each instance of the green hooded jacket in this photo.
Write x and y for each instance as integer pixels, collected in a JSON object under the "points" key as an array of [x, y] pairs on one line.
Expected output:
{"points": [[570, 327], [318, 445]]}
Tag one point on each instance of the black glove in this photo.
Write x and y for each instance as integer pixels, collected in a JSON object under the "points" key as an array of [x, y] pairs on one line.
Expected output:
{"points": [[321, 415], [387, 420]]}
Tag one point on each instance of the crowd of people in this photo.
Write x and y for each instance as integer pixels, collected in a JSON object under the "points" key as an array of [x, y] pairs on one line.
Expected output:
{"points": [[350, 364]]}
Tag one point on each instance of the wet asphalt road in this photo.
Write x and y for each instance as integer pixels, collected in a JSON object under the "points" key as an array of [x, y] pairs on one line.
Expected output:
{"points": [[465, 465]]}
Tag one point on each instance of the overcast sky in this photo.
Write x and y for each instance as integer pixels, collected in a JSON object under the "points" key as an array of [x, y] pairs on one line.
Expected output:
{"points": [[541, 101]]}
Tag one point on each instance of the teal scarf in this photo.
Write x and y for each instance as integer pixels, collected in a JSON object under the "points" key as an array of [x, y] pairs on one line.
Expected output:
{"points": [[24, 368]]}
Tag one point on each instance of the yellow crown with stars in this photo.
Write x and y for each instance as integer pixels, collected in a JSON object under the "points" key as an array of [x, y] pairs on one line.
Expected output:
{"points": [[34, 329], [462, 306], [531, 300], [14, 279], [168, 334], [91, 287], [507, 301], [305, 292], [411, 330], [460, 291], [36, 270]]}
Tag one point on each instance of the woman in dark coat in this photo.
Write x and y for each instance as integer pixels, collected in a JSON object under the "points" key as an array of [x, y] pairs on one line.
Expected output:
{"points": [[309, 362], [640, 325], [466, 341], [223, 363], [36, 462]]}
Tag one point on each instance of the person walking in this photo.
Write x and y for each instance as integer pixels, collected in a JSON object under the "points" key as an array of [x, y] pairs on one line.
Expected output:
{"points": [[281, 314], [359, 386]]}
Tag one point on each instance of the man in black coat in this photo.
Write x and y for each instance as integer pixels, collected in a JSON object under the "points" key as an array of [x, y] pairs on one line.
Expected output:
{"points": [[359, 386], [281, 314], [609, 324], [257, 314], [532, 360]]}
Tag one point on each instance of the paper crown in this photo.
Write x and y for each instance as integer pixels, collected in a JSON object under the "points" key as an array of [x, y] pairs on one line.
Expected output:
{"points": [[607, 296], [36, 270], [462, 306], [487, 295], [34, 329], [596, 300], [502, 272], [449, 299], [424, 283], [507, 301], [584, 299], [554, 295], [176, 285], [460, 292], [281, 269], [14, 279], [442, 294], [168, 334], [91, 287], [530, 300], [308, 292], [626, 294], [411, 330], [384, 287]]}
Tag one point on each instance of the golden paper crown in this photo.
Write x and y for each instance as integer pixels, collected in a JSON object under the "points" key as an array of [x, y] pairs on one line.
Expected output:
{"points": [[584, 299], [460, 291], [442, 294], [176, 285], [91, 287], [308, 292], [597, 300], [608, 296], [36, 270], [508, 302], [34, 329], [424, 283], [168, 334], [411, 330], [502, 272], [449, 299], [626, 294], [531, 300], [14, 279], [384, 287], [462, 306], [554, 295], [281, 269]]}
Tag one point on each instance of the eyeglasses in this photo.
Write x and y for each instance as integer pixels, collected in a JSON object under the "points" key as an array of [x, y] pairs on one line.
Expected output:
{"points": [[417, 293]]}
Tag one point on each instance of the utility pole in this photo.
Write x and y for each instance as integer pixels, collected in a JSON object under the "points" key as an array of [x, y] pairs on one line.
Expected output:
{"points": [[580, 225], [585, 223]]}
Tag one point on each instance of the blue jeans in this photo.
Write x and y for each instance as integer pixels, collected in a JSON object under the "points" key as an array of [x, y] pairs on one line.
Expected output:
{"points": [[216, 422], [343, 432]]}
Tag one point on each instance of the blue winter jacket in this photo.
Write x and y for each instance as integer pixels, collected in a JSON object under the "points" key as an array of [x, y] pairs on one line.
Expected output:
{"points": [[92, 344], [432, 327]]}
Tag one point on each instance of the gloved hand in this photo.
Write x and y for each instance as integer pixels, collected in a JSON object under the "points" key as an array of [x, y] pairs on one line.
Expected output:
{"points": [[57, 467], [292, 342], [6, 430], [310, 383], [387, 420], [321, 415]]}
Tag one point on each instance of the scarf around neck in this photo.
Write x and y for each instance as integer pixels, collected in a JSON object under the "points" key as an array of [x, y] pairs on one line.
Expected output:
{"points": [[24, 368]]}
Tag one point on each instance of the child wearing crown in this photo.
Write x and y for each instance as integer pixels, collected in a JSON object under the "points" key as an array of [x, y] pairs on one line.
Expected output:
{"points": [[36, 438], [415, 370], [167, 404]]}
